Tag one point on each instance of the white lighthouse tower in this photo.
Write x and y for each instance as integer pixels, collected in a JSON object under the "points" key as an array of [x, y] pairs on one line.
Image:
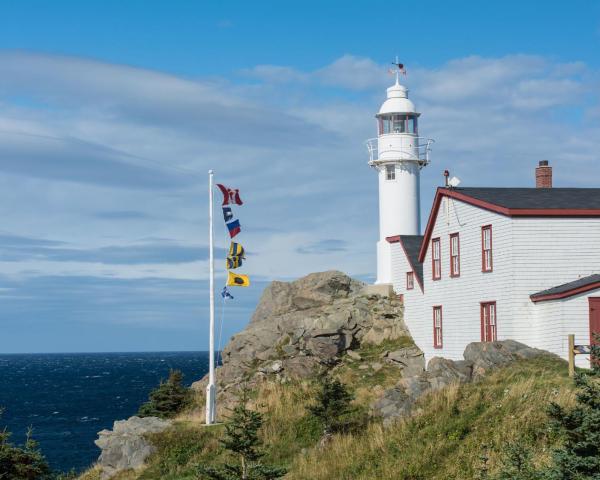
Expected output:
{"points": [[398, 154]]}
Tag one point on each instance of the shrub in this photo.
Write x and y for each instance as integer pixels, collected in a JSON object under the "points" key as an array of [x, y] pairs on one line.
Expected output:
{"points": [[168, 399]]}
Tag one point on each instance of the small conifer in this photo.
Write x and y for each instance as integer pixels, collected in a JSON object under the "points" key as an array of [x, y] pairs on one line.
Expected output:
{"points": [[168, 399], [334, 407], [22, 462], [242, 439]]}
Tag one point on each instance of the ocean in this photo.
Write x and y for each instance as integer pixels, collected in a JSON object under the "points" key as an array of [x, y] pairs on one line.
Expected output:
{"points": [[69, 398]]}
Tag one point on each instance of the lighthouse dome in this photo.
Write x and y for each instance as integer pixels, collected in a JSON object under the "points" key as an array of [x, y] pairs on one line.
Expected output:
{"points": [[397, 101]]}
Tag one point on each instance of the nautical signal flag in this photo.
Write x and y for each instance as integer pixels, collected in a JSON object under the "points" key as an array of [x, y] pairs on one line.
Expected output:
{"points": [[236, 250], [234, 228], [230, 195], [227, 214], [234, 262], [237, 280], [225, 293]]}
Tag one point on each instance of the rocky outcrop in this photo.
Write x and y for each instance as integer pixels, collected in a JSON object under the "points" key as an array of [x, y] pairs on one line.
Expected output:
{"points": [[126, 446], [480, 359], [302, 326]]}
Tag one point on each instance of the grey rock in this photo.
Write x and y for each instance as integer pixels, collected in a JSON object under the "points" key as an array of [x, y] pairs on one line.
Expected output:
{"points": [[486, 356], [353, 355], [376, 366], [480, 358], [308, 325], [443, 372], [410, 359], [126, 446]]}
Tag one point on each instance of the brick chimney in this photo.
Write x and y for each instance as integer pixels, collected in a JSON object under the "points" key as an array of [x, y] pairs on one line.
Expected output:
{"points": [[543, 175]]}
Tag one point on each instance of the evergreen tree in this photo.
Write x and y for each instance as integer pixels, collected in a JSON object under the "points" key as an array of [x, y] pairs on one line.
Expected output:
{"points": [[168, 399], [517, 464], [579, 456], [22, 463], [334, 409], [242, 439]]}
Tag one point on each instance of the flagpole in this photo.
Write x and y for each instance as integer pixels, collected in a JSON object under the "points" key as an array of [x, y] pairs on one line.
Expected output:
{"points": [[211, 389]]}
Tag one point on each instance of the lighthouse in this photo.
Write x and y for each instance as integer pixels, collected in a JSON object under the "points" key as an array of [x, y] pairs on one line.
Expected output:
{"points": [[397, 154]]}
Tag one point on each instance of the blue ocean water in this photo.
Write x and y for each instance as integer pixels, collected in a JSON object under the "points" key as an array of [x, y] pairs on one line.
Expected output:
{"points": [[68, 398]]}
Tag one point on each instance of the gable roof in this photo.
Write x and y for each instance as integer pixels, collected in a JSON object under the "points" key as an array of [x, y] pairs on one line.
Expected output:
{"points": [[411, 244], [519, 202], [565, 290]]}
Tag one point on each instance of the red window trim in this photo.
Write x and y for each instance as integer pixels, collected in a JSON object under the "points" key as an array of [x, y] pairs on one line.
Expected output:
{"points": [[408, 285], [435, 343], [454, 274], [482, 306], [433, 277], [483, 269]]}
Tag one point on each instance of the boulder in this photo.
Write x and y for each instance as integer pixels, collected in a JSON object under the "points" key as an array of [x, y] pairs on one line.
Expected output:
{"points": [[410, 359], [126, 446], [486, 356], [479, 359], [306, 325]]}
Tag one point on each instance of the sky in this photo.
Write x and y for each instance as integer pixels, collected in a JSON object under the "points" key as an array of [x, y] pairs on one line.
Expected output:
{"points": [[112, 112]]}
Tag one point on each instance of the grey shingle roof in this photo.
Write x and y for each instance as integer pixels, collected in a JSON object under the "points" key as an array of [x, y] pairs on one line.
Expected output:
{"points": [[537, 198], [412, 245], [567, 287]]}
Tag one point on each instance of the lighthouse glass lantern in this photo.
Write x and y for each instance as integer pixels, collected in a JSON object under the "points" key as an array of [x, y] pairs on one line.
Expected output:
{"points": [[398, 154]]}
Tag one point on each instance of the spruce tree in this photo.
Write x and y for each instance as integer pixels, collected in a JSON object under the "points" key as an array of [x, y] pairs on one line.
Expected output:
{"points": [[242, 439], [334, 408], [579, 456], [168, 399], [22, 462]]}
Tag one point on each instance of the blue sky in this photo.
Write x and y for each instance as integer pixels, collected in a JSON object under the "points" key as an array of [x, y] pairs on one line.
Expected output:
{"points": [[112, 112]]}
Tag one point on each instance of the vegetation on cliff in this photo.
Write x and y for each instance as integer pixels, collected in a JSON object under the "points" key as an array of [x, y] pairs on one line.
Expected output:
{"points": [[450, 432], [168, 399]]}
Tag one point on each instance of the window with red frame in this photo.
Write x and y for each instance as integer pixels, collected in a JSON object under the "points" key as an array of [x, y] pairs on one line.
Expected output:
{"points": [[436, 259], [489, 325], [487, 261], [437, 327], [410, 280], [454, 255]]}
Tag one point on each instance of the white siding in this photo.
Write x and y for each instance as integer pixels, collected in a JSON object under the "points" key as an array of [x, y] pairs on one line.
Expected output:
{"points": [[460, 297], [548, 252], [412, 298], [566, 316], [529, 255]]}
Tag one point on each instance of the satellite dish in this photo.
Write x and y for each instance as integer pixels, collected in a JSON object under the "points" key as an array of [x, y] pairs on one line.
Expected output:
{"points": [[454, 182]]}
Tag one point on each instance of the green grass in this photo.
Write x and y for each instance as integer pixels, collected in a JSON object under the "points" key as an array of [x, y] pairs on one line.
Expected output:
{"points": [[445, 439]]}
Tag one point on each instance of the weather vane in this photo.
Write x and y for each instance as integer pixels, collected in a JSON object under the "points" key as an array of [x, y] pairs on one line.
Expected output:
{"points": [[398, 70]]}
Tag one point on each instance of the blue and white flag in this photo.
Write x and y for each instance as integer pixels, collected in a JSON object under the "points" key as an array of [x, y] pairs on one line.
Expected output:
{"points": [[225, 293]]}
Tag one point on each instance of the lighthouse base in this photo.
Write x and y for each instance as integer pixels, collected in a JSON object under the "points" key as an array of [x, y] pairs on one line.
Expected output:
{"points": [[381, 289]]}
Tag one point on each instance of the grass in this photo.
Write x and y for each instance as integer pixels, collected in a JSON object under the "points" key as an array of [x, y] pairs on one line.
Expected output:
{"points": [[452, 429], [445, 439]]}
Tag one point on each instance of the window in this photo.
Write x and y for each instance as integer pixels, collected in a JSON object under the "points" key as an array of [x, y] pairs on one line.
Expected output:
{"points": [[486, 249], [398, 124], [488, 322], [390, 172], [410, 280], [437, 327], [436, 264], [454, 255]]}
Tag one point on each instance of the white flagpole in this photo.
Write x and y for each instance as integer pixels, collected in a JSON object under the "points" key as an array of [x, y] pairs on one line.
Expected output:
{"points": [[211, 389]]}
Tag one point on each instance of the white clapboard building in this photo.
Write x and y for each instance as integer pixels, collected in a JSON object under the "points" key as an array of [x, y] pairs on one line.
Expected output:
{"points": [[491, 263]]}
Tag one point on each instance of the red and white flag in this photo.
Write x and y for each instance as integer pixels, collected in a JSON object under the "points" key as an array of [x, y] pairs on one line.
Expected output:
{"points": [[230, 195]]}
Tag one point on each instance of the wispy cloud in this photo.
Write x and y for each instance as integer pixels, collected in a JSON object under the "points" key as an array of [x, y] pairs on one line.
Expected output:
{"points": [[103, 165]]}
